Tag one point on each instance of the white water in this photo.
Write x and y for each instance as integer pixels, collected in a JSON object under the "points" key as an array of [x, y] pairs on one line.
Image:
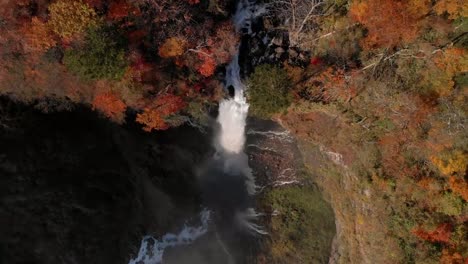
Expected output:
{"points": [[152, 250], [232, 119]]}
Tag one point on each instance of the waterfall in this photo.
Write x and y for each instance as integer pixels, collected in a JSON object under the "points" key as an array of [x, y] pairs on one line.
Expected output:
{"points": [[232, 120], [230, 154]]}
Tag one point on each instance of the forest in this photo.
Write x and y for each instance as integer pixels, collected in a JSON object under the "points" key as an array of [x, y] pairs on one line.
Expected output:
{"points": [[380, 86]]}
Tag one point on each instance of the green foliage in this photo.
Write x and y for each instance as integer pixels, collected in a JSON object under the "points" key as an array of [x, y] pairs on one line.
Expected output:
{"points": [[101, 57], [303, 230], [268, 91]]}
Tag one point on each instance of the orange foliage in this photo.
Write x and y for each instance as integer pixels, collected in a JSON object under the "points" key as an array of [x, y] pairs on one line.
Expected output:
{"points": [[441, 234], [37, 37], [452, 60], [154, 116], [449, 163], [455, 8], [459, 186], [445, 65], [389, 22], [172, 47], [110, 105], [452, 258], [336, 84], [208, 64]]}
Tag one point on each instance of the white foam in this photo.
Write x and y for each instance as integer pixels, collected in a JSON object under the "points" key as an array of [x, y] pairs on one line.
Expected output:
{"points": [[152, 249]]}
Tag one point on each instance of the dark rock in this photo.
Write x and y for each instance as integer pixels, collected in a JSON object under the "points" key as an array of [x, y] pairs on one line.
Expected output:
{"points": [[277, 40]]}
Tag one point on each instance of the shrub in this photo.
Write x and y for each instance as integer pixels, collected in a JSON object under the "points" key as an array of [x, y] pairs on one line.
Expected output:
{"points": [[268, 91], [99, 58]]}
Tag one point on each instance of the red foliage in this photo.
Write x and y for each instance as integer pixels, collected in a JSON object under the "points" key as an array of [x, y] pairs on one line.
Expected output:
{"points": [[154, 116], [208, 63], [315, 61], [120, 9], [441, 234], [110, 105]]}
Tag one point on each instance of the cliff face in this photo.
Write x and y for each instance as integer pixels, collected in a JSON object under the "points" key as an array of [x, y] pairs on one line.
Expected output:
{"points": [[299, 222], [335, 161]]}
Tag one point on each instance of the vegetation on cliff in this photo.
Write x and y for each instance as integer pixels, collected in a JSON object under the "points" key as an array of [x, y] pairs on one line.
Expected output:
{"points": [[384, 99]]}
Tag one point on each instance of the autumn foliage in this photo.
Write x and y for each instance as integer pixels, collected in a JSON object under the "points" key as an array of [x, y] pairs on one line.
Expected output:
{"points": [[207, 65], [154, 117], [454, 8], [110, 105], [440, 234], [172, 47], [121, 9], [37, 36], [68, 18], [389, 22]]}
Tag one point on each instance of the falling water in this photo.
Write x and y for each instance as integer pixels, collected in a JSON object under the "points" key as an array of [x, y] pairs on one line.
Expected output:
{"points": [[232, 119], [230, 152]]}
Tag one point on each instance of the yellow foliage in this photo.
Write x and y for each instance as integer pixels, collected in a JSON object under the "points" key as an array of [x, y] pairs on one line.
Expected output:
{"points": [[359, 10], [455, 162], [68, 18], [455, 8], [172, 47]]}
